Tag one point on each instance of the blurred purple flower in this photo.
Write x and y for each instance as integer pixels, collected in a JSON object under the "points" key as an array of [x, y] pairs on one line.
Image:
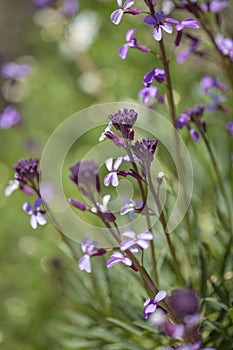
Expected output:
{"points": [[117, 15], [12, 70], [141, 239], [151, 304], [194, 134], [9, 117], [158, 23], [184, 54], [42, 3], [183, 303], [157, 73], [208, 82], [189, 116], [89, 250], [129, 207], [147, 92], [180, 26], [70, 7], [112, 168], [131, 42], [230, 127], [225, 45], [37, 216], [214, 5]]}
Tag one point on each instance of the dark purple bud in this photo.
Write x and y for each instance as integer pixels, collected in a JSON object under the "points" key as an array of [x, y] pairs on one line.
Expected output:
{"points": [[194, 134], [124, 121], [183, 302], [119, 141], [98, 252], [27, 170], [133, 11], [80, 205], [109, 216], [178, 38]]}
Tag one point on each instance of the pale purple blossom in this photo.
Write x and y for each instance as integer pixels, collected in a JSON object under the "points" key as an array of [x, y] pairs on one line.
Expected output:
{"points": [[9, 117], [131, 42], [12, 70], [117, 15], [103, 208], [214, 5], [118, 257], [184, 54], [225, 45], [88, 249], [70, 7], [37, 215], [158, 23], [180, 26], [208, 83], [130, 207], [42, 3], [230, 127], [152, 304], [141, 239], [112, 177], [147, 93]]}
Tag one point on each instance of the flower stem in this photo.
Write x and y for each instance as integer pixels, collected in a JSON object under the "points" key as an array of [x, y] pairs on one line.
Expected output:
{"points": [[164, 225]]}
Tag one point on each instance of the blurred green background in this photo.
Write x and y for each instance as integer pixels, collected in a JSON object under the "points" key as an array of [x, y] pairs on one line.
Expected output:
{"points": [[34, 269]]}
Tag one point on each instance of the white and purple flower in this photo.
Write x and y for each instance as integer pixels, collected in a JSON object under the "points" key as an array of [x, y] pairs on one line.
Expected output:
{"points": [[88, 249], [37, 215], [129, 207], [151, 304], [117, 15], [158, 23], [141, 239], [131, 42], [112, 177]]}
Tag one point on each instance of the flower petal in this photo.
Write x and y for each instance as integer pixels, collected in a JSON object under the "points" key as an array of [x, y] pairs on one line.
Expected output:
{"points": [[108, 179], [157, 34], [123, 51], [147, 235], [167, 28], [28, 208], [85, 263], [108, 163], [116, 16], [115, 181], [150, 308], [127, 244], [143, 244], [150, 20], [119, 3], [118, 162], [37, 204], [106, 200], [130, 33], [126, 261], [113, 261], [160, 296], [41, 219], [33, 222], [129, 234], [128, 3]]}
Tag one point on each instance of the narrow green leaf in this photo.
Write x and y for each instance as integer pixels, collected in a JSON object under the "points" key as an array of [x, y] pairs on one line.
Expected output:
{"points": [[125, 326]]}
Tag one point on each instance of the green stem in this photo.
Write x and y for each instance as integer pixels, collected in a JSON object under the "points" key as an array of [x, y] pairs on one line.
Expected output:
{"points": [[164, 225]]}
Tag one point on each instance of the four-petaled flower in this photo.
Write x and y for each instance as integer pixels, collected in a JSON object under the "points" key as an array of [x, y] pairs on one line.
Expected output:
{"points": [[103, 208], [117, 15], [142, 239], [147, 92], [113, 168], [151, 304], [214, 6], [9, 117], [129, 207], [180, 26], [37, 216], [131, 42], [118, 257], [157, 73], [158, 22]]}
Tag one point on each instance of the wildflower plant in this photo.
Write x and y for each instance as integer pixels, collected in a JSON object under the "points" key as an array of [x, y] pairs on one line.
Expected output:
{"points": [[177, 301]]}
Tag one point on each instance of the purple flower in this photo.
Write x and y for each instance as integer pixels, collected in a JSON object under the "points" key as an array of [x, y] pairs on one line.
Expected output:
{"points": [[130, 206], [151, 304], [141, 239], [89, 251], [27, 171], [70, 7], [183, 302], [189, 116], [225, 45], [12, 70], [148, 92], [103, 209], [208, 83], [180, 26], [158, 23], [117, 15], [124, 121], [37, 216], [85, 176], [131, 42], [184, 54], [144, 150], [214, 5], [230, 127], [117, 140], [157, 73], [113, 168], [118, 257], [194, 134], [87, 248], [9, 117], [42, 3]]}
